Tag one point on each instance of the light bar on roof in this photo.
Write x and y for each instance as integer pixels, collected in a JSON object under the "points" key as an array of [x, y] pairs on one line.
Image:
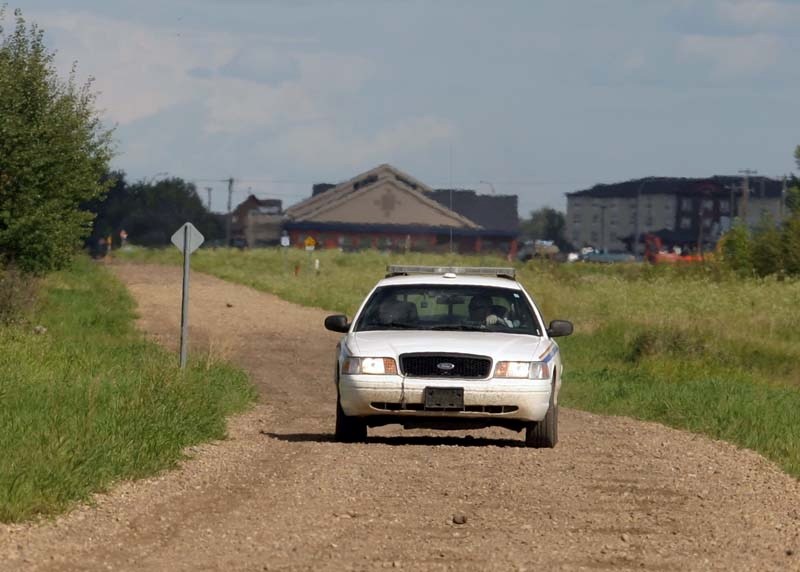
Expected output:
{"points": [[400, 270]]}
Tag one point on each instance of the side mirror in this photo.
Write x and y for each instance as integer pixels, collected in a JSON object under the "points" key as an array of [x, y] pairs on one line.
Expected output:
{"points": [[559, 328], [337, 323]]}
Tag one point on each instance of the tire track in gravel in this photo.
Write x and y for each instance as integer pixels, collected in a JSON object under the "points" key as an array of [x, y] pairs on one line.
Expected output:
{"points": [[279, 494]]}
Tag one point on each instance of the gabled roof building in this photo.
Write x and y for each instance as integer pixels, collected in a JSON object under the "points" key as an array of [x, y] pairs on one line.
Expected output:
{"points": [[388, 209]]}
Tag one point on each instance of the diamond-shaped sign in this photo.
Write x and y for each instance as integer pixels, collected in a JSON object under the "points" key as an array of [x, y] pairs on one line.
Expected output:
{"points": [[187, 235]]}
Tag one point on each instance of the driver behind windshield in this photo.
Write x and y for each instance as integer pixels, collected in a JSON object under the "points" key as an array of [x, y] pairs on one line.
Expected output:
{"points": [[427, 307], [481, 310]]}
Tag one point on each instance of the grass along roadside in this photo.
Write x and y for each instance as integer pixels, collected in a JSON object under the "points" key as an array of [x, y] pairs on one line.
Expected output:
{"points": [[91, 401], [693, 348]]}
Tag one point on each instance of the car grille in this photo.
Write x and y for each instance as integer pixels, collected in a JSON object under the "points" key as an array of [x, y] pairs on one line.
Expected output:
{"points": [[439, 365]]}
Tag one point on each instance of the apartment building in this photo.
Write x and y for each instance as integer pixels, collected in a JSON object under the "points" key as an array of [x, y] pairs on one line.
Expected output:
{"points": [[681, 211]]}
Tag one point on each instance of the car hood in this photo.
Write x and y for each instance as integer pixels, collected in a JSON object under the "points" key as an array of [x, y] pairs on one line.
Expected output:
{"points": [[515, 347]]}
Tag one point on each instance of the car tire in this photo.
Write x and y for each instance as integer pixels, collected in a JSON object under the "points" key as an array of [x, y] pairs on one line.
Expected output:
{"points": [[544, 434], [349, 429]]}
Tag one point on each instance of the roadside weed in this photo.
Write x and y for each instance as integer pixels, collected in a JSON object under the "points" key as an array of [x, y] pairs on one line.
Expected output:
{"points": [[90, 401]]}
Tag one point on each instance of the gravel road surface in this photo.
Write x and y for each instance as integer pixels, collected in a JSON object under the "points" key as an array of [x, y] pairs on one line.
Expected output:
{"points": [[279, 494]]}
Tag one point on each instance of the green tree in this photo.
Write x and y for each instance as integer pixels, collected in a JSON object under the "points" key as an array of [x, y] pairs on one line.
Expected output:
{"points": [[151, 212], [767, 247], [793, 194], [737, 249], [791, 245], [546, 224], [791, 227], [53, 153]]}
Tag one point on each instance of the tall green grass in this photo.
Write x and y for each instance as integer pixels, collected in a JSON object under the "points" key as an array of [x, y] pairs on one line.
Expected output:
{"points": [[90, 401], [340, 286], [692, 347]]}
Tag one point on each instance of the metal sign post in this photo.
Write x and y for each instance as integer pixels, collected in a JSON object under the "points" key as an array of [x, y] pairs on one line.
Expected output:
{"points": [[310, 243], [188, 239], [285, 242]]}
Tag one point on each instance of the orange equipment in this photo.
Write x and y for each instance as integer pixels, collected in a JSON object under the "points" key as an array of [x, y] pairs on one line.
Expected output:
{"points": [[655, 253]]}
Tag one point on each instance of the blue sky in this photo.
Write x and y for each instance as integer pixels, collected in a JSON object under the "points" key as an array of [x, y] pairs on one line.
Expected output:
{"points": [[530, 98]]}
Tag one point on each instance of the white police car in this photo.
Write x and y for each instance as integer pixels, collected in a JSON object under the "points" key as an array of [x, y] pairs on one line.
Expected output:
{"points": [[448, 347]]}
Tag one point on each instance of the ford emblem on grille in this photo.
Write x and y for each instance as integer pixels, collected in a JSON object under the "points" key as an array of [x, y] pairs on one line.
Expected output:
{"points": [[445, 366]]}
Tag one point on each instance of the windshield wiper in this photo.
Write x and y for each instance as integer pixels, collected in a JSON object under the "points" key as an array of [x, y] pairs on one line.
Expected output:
{"points": [[458, 327]]}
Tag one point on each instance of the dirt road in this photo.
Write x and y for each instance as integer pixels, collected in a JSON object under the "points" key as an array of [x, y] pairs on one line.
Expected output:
{"points": [[280, 495]]}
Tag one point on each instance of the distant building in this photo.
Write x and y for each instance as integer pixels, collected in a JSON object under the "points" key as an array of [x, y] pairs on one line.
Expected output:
{"points": [[388, 209], [257, 222], [498, 215], [681, 211]]}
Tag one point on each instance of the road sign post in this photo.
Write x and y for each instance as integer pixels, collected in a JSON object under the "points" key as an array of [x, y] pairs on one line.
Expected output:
{"points": [[188, 239], [285, 242], [310, 243]]}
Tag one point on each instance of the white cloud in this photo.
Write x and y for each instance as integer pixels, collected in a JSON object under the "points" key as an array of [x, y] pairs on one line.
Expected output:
{"points": [[244, 83], [634, 61], [329, 145], [138, 70], [732, 56], [258, 62], [335, 73], [759, 13], [239, 106], [232, 85]]}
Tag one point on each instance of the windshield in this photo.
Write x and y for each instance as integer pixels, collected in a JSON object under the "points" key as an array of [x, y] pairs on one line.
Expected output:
{"points": [[467, 308]]}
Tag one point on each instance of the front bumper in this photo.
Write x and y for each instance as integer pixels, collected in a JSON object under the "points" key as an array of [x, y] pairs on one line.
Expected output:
{"points": [[499, 398]]}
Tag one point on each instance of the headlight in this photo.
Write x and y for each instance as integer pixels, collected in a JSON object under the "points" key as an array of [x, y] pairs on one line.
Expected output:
{"points": [[522, 370], [369, 365], [513, 369]]}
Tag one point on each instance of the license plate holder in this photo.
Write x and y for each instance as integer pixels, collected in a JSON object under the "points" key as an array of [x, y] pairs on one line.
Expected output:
{"points": [[444, 398]]}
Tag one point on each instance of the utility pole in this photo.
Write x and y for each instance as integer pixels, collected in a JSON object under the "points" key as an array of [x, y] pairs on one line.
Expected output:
{"points": [[228, 218], [746, 191], [700, 238], [732, 189], [638, 230], [603, 227], [783, 201], [451, 194], [701, 223], [208, 190]]}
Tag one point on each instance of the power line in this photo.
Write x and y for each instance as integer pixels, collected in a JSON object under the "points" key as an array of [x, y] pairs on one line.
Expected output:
{"points": [[436, 183]]}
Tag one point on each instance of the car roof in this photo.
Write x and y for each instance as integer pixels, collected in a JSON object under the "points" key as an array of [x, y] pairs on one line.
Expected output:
{"points": [[458, 280]]}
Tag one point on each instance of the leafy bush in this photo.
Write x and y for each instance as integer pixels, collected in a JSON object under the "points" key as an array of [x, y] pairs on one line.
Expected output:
{"points": [[669, 341], [53, 153], [791, 245], [737, 253], [17, 295], [767, 248], [793, 197]]}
